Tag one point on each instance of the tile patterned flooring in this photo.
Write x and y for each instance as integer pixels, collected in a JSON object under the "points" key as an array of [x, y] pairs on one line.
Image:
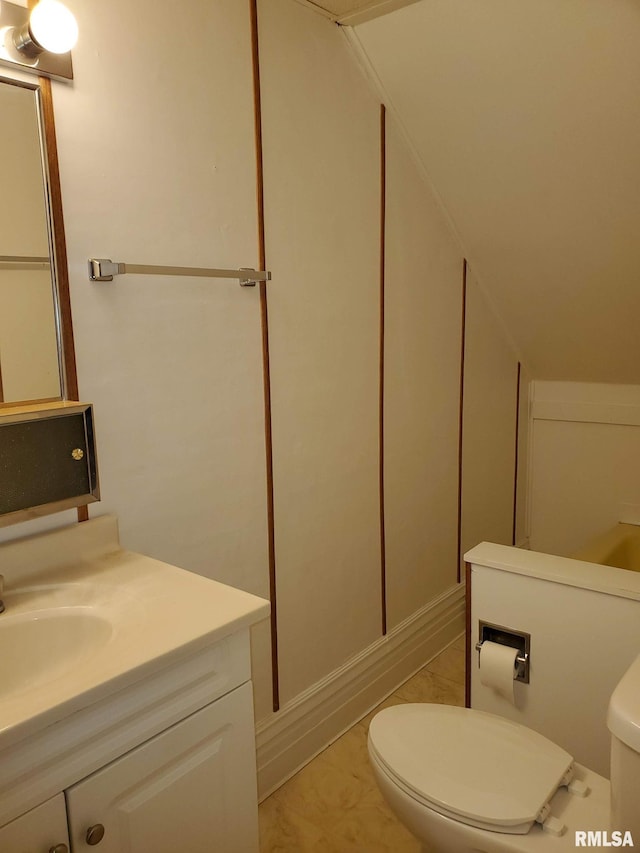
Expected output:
{"points": [[333, 804]]}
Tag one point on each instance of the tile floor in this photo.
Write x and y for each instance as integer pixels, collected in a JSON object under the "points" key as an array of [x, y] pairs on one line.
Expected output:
{"points": [[333, 804]]}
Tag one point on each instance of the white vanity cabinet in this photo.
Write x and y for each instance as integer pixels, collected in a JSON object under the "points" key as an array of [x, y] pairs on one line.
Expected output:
{"points": [[41, 830], [191, 788], [148, 735]]}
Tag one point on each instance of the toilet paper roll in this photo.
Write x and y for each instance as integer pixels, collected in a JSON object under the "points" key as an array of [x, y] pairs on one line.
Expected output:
{"points": [[498, 667]]}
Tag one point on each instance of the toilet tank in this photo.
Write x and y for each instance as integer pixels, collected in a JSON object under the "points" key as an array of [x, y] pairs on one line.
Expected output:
{"points": [[623, 721]]}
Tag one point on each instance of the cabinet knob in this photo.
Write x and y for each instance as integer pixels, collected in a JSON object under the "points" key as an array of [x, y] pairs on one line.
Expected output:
{"points": [[59, 848], [95, 834], [77, 453]]}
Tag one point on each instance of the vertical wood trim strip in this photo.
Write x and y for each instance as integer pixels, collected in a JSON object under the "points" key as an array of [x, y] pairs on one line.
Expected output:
{"points": [[70, 390], [1, 391], [383, 217], [467, 637], [463, 324], [266, 373], [515, 467]]}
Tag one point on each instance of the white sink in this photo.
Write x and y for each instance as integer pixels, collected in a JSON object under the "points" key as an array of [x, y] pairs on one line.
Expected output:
{"points": [[101, 649], [41, 645], [85, 619]]}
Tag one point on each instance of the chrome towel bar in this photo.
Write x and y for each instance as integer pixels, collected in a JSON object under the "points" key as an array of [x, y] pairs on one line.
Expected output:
{"points": [[24, 262], [104, 269]]}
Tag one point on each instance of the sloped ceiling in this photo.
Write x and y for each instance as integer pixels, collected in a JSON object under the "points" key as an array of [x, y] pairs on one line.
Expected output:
{"points": [[526, 117]]}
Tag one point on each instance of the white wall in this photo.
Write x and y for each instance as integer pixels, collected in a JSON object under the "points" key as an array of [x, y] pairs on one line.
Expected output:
{"points": [[158, 166], [321, 156], [585, 464], [423, 328], [489, 426], [157, 163]]}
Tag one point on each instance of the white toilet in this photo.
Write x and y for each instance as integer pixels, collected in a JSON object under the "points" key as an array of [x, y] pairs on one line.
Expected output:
{"points": [[464, 781]]}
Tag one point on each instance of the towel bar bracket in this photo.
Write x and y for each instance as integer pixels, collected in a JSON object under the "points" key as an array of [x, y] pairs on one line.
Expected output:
{"points": [[101, 269]]}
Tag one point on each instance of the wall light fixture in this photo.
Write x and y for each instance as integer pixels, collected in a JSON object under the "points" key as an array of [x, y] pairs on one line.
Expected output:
{"points": [[39, 41]]}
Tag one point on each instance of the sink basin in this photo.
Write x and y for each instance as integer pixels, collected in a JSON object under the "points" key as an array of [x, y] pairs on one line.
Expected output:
{"points": [[86, 619], [39, 646]]}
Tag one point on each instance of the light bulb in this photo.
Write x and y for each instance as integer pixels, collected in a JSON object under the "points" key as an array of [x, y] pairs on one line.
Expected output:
{"points": [[53, 26]]}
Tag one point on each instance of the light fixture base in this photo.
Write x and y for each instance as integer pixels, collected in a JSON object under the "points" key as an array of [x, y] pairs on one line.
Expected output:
{"points": [[15, 20]]}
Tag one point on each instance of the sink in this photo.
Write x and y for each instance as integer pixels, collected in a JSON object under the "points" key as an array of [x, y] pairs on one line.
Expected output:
{"points": [[85, 619], [39, 646]]}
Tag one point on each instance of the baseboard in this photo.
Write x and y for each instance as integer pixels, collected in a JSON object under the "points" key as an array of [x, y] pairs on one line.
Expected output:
{"points": [[304, 727]]}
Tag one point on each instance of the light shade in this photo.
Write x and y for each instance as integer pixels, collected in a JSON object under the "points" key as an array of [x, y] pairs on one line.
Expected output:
{"points": [[20, 48], [53, 26]]}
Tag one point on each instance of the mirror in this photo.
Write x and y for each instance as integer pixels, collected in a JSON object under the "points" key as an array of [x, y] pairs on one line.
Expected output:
{"points": [[31, 319]]}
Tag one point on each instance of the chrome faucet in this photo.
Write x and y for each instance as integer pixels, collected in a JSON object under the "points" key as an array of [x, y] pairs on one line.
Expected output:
{"points": [[1, 593]]}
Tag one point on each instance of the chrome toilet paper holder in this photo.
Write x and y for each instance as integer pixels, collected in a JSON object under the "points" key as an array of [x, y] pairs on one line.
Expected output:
{"points": [[519, 640]]}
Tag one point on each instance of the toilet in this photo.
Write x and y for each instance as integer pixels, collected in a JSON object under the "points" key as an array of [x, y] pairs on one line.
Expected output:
{"points": [[465, 781]]}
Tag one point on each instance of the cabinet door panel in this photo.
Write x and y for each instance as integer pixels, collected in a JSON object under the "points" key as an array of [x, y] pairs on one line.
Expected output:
{"points": [[191, 788], [38, 830]]}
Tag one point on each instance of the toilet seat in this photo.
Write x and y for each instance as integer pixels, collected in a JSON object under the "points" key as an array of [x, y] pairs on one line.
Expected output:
{"points": [[477, 768]]}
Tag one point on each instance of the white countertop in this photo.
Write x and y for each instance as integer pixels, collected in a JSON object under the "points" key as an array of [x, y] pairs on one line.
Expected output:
{"points": [[144, 615], [563, 570]]}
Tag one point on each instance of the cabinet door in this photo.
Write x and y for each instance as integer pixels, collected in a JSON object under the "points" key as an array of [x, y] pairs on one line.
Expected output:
{"points": [[37, 831], [191, 788]]}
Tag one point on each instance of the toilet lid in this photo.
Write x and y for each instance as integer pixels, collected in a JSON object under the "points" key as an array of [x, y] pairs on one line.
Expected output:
{"points": [[475, 767]]}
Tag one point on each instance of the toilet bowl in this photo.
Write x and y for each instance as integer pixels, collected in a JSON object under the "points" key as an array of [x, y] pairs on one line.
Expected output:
{"points": [[465, 781]]}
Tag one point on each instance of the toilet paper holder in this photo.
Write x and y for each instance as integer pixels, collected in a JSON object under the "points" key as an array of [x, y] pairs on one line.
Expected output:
{"points": [[507, 637]]}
